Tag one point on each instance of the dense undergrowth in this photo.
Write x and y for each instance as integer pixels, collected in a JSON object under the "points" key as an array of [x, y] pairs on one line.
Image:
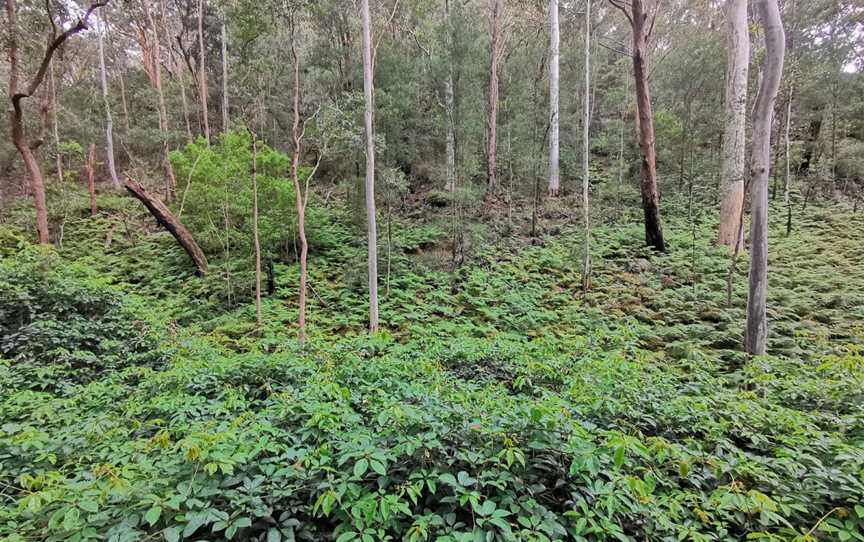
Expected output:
{"points": [[499, 404]]}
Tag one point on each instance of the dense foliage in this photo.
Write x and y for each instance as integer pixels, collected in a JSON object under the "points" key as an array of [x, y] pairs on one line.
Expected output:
{"points": [[498, 406]]}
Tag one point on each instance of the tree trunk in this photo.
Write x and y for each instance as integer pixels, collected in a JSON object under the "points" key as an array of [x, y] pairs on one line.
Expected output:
{"points": [[182, 83], [202, 72], [787, 182], [299, 193], [167, 220], [756, 333], [171, 181], [642, 23], [16, 113], [89, 166], [225, 110], [371, 229], [56, 124], [586, 125], [492, 105], [449, 106], [109, 122], [734, 134], [257, 243], [554, 141]]}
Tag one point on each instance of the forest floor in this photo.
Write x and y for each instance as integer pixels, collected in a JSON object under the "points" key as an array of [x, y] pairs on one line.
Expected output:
{"points": [[499, 402]]}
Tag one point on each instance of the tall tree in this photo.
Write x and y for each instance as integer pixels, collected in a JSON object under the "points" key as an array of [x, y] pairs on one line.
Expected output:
{"points": [[256, 242], [586, 149], [756, 332], [734, 133], [371, 228], [202, 73], [449, 103], [492, 95], [554, 58], [300, 196], [642, 14], [225, 110], [170, 180], [16, 96], [109, 122]]}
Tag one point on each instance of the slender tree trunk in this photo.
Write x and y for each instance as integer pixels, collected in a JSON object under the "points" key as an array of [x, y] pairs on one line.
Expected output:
{"points": [[109, 122], [371, 229], [171, 181], [449, 106], [732, 167], [756, 335], [554, 140], [586, 149], [202, 72], [642, 22], [91, 181], [225, 111], [787, 183], [299, 193], [182, 82], [56, 124], [257, 243], [492, 105]]}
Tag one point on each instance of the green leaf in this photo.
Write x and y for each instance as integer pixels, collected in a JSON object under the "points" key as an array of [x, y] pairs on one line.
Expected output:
{"points": [[152, 515], [89, 506], [273, 535], [859, 511], [378, 467], [618, 458], [70, 518], [347, 536], [361, 466], [171, 534]]}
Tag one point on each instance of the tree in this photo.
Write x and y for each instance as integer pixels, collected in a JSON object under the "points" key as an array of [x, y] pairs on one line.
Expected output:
{"points": [[255, 239], [371, 228], [109, 123], [756, 332], [554, 57], [586, 149], [492, 95], [734, 134], [16, 96], [449, 104], [202, 72], [225, 111], [642, 14]]}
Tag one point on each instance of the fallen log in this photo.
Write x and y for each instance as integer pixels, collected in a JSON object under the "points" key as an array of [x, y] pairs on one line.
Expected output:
{"points": [[168, 221]]}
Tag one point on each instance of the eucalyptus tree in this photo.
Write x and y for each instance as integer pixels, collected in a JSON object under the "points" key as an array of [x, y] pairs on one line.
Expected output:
{"points": [[554, 61], [495, 50], [371, 227], [109, 121]]}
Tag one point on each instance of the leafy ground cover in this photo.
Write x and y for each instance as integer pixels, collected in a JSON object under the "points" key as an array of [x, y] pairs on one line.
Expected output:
{"points": [[499, 404]]}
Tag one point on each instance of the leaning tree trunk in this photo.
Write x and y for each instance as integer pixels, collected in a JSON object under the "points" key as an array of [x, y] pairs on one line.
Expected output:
{"points": [[554, 141], [16, 113], [492, 105], [756, 332], [371, 228], [167, 220], [109, 122], [202, 73], [643, 24], [734, 134]]}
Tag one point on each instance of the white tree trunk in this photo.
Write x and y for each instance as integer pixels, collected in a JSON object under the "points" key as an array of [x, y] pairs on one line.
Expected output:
{"points": [[225, 117], [109, 122], [554, 141], [202, 72], [734, 134], [756, 333], [586, 149], [371, 229], [449, 107], [56, 128]]}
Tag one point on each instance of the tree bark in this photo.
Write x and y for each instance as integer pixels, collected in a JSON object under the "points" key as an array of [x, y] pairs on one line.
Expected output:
{"points": [[56, 124], [734, 134], [449, 106], [16, 113], [257, 243], [171, 181], [644, 13], [371, 227], [109, 122], [756, 332], [492, 105], [89, 166], [586, 148], [167, 220], [299, 194], [554, 60], [225, 110], [202, 72]]}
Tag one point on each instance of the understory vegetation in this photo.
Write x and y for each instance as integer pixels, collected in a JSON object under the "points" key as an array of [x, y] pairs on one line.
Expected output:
{"points": [[499, 403]]}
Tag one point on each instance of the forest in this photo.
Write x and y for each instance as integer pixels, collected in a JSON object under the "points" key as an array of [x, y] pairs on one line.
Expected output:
{"points": [[432, 270]]}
